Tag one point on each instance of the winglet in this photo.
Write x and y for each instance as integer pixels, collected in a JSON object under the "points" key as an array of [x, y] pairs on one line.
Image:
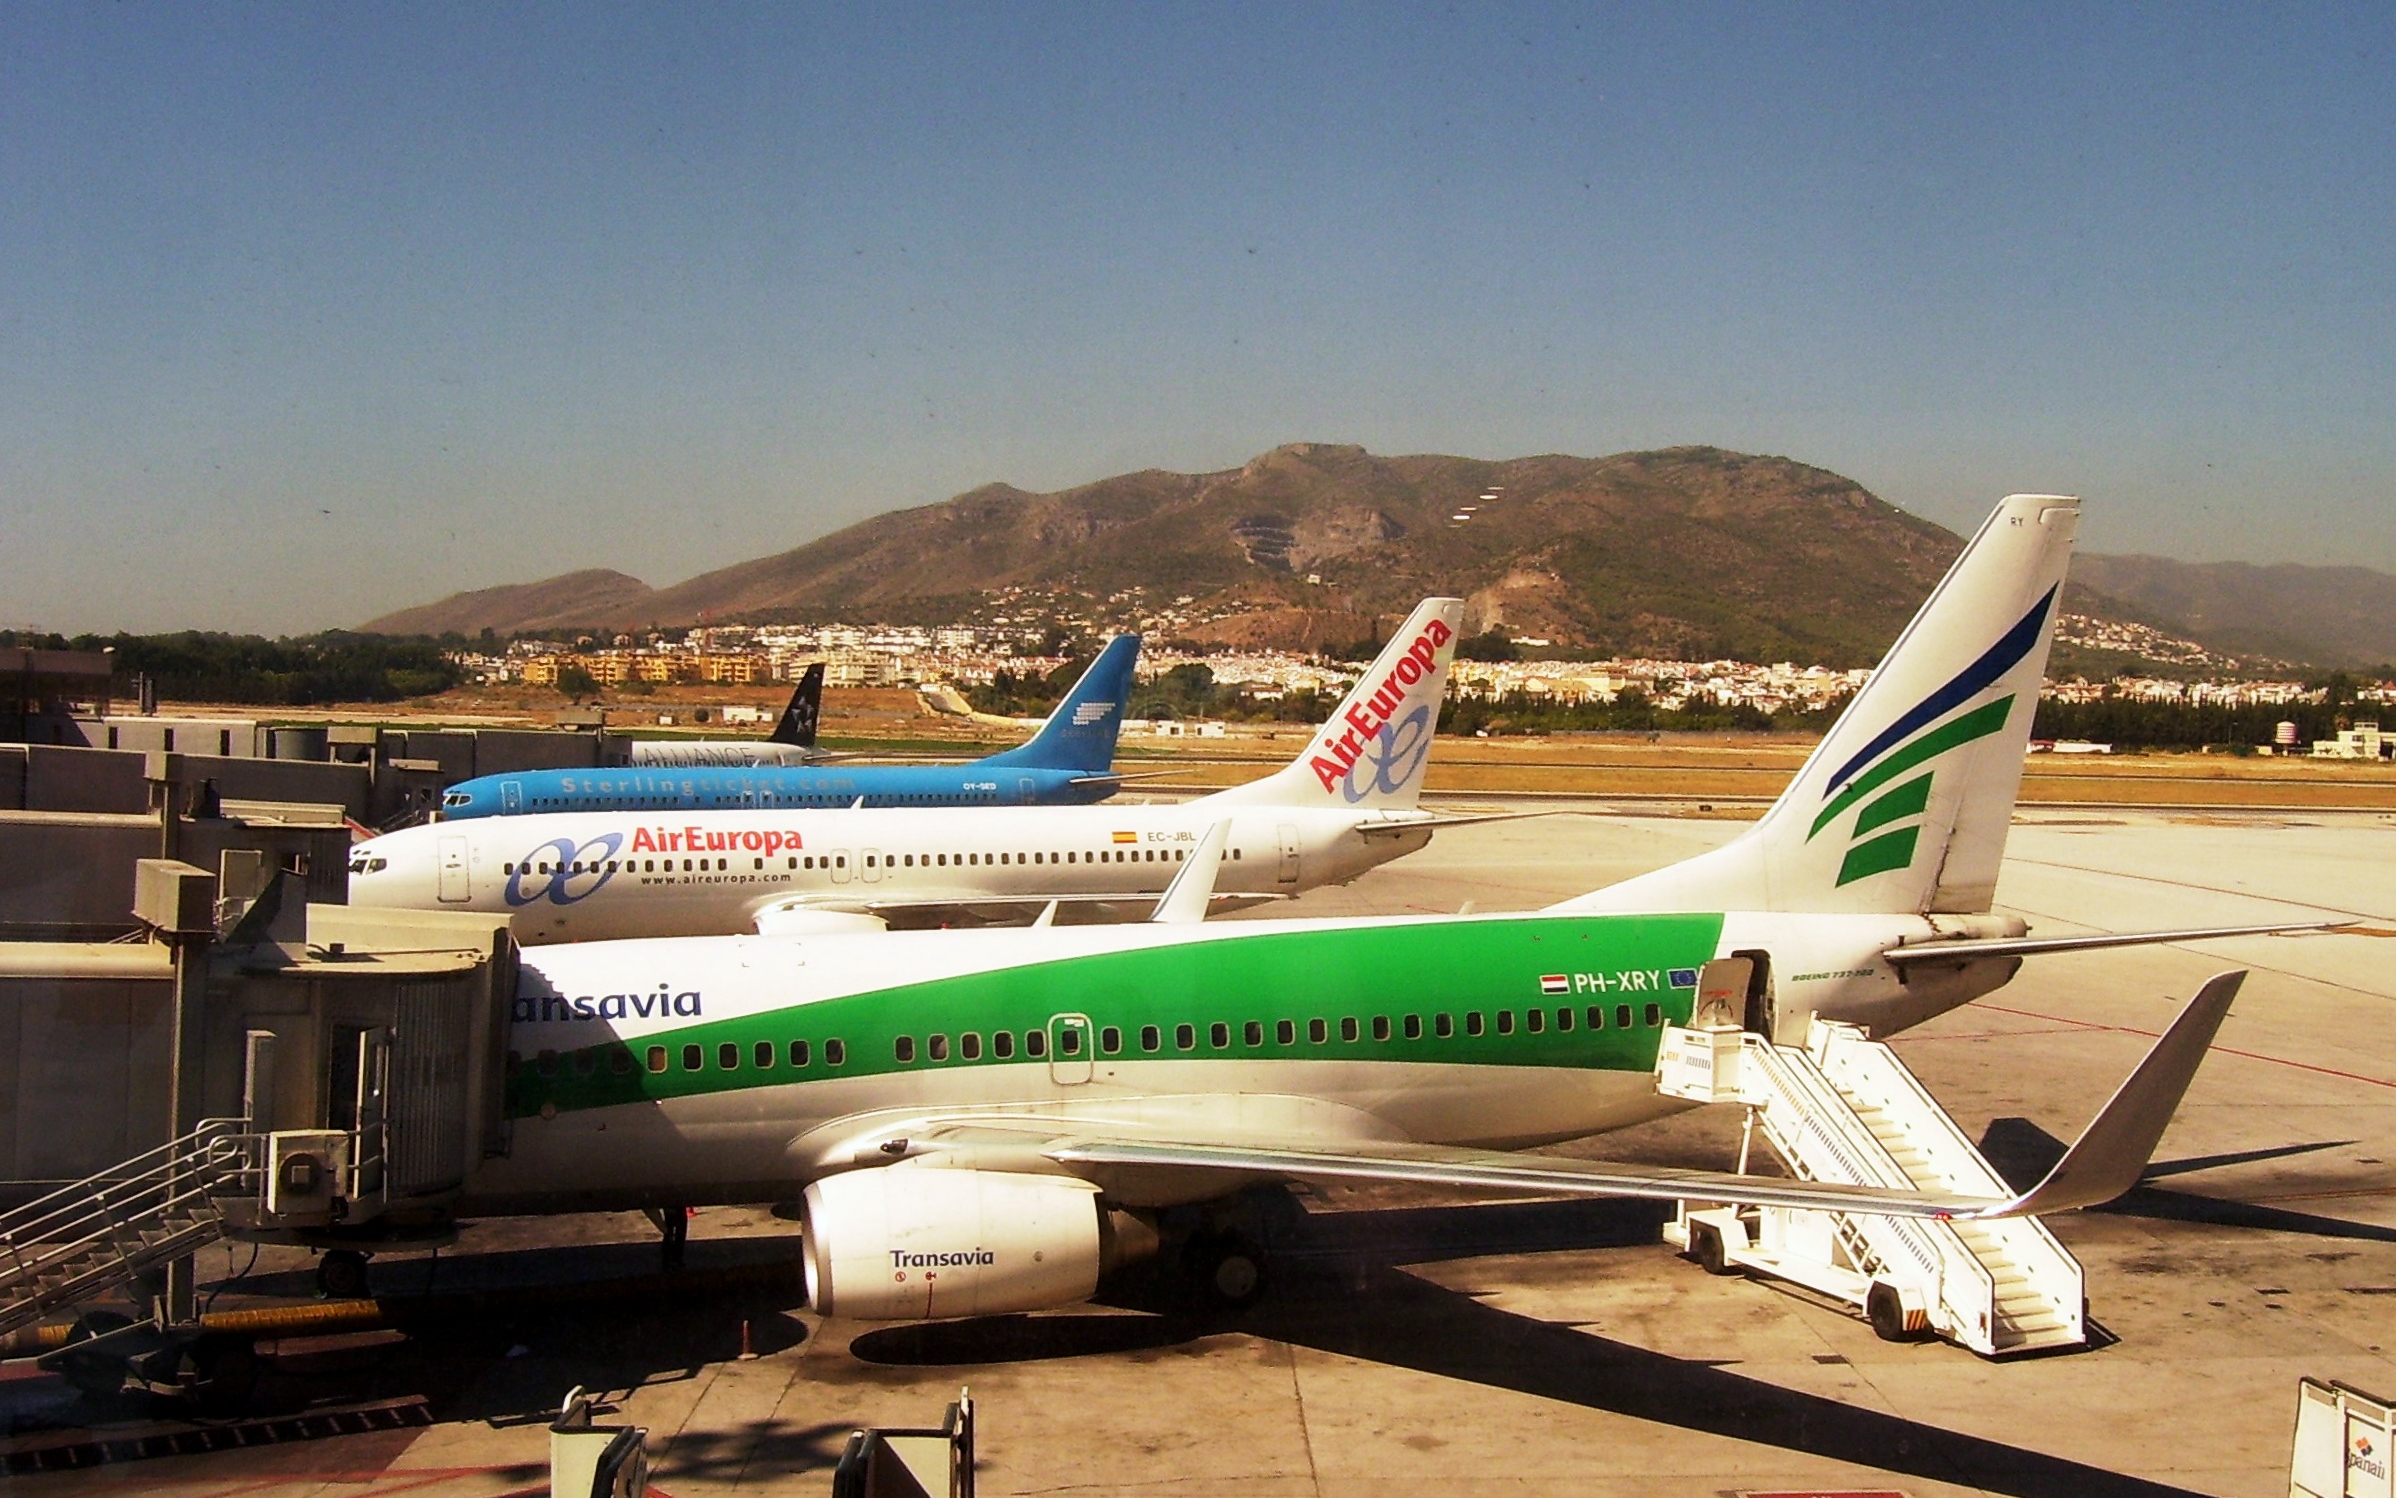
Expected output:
{"points": [[2113, 1151], [1185, 899]]}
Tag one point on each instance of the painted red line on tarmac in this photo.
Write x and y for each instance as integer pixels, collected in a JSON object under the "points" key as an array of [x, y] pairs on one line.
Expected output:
{"points": [[2327, 1071]]}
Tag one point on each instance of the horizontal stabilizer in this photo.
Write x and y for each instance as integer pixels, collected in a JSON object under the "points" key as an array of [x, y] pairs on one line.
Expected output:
{"points": [[2033, 946], [1396, 825]]}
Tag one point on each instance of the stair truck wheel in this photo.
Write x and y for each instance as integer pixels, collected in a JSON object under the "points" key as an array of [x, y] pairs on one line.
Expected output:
{"points": [[341, 1274], [95, 1375], [1705, 1246], [1884, 1307], [225, 1374]]}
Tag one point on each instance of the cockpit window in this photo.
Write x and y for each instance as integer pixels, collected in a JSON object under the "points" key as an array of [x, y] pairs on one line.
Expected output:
{"points": [[455, 798]]}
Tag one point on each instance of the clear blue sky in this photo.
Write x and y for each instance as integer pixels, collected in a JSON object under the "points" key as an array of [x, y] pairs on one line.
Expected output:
{"points": [[310, 313]]}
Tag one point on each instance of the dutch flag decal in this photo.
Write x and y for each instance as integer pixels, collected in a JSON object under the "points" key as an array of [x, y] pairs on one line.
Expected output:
{"points": [[1555, 983]]}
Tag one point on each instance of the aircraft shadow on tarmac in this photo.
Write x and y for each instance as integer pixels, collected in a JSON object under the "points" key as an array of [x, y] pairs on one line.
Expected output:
{"points": [[1339, 1287], [2022, 1153]]}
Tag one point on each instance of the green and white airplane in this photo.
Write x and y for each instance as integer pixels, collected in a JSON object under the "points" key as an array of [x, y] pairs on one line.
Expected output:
{"points": [[981, 1120]]}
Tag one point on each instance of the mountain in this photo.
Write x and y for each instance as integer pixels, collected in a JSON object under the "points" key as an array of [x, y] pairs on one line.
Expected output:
{"points": [[2328, 615], [1687, 552], [563, 602]]}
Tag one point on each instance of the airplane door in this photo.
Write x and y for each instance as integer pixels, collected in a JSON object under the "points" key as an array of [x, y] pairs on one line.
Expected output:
{"points": [[840, 866], [1289, 853], [455, 888], [1027, 790], [1758, 1010], [870, 869], [1069, 1049], [511, 796]]}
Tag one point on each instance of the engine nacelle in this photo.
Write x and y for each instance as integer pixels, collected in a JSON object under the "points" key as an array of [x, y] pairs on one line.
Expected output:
{"points": [[914, 1243]]}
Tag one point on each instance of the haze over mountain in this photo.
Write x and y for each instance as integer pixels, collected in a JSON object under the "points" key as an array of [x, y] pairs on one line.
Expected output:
{"points": [[1688, 552]]}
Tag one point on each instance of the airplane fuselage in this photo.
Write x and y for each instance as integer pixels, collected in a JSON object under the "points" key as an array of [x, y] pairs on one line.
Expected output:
{"points": [[653, 1072], [584, 876], [685, 788]]}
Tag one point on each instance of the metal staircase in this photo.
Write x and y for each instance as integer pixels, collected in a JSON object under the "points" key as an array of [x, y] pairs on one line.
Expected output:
{"points": [[97, 1235], [1844, 1108]]}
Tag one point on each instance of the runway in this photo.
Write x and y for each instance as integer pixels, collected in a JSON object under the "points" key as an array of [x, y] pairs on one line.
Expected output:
{"points": [[1419, 1344]]}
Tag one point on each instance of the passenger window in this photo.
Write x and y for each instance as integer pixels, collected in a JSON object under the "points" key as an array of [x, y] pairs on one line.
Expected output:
{"points": [[969, 1046], [1597, 1016], [727, 1056], [1347, 1027], [1002, 1043], [1505, 1021], [657, 1058], [798, 1053], [1622, 1016], [1380, 1027], [1286, 1032], [903, 1048], [765, 1055], [836, 1052], [1564, 1018], [619, 1061], [1472, 1022], [1219, 1035], [1035, 1043], [1535, 1019], [1253, 1032], [1069, 1042], [693, 1057], [1655, 1014], [1110, 1040], [1317, 1032], [1443, 1025], [1149, 1038], [1185, 1037], [937, 1047]]}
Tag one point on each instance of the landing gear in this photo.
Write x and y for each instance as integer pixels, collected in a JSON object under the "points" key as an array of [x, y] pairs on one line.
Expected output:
{"points": [[341, 1274], [1226, 1266], [673, 1226]]}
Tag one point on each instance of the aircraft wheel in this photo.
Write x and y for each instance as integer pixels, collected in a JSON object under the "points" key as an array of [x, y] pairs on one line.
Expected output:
{"points": [[341, 1274], [1705, 1246], [1228, 1267]]}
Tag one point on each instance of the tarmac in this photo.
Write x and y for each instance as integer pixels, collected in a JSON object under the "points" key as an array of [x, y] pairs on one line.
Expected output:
{"points": [[1413, 1343]]}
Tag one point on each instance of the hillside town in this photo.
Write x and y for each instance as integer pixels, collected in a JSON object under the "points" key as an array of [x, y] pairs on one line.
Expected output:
{"points": [[1021, 637]]}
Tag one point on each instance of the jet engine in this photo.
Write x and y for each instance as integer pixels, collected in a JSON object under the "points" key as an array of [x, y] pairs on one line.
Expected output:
{"points": [[910, 1243]]}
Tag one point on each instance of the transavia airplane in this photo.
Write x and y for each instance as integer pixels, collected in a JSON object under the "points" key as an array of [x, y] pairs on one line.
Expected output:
{"points": [[1346, 804], [1069, 762], [791, 743], [980, 1120]]}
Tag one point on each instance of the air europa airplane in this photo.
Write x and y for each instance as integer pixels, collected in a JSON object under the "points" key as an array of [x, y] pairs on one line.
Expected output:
{"points": [[1070, 762], [1346, 804], [979, 1121]]}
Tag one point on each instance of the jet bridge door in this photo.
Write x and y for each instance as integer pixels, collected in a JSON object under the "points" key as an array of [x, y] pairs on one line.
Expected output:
{"points": [[451, 858]]}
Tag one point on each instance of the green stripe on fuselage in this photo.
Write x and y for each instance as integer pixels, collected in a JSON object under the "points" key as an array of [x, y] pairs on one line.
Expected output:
{"points": [[1427, 969]]}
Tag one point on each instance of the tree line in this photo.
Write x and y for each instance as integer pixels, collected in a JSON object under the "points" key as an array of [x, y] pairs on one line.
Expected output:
{"points": [[295, 671]]}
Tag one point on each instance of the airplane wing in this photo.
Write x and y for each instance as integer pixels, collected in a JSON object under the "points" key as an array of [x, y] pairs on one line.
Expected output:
{"points": [[1392, 826], [797, 916], [2032, 946], [2110, 1155]]}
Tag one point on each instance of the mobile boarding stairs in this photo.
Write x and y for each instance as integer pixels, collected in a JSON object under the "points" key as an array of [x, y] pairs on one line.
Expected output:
{"points": [[1842, 1108]]}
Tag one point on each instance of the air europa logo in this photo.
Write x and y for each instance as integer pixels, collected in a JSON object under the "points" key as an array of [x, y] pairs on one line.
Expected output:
{"points": [[1914, 740], [701, 840], [1363, 737], [563, 871]]}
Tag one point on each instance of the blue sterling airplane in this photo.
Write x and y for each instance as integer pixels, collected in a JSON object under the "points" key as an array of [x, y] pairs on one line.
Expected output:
{"points": [[1069, 762]]}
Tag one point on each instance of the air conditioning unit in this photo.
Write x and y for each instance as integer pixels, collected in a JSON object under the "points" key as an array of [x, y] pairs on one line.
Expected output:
{"points": [[305, 1169]]}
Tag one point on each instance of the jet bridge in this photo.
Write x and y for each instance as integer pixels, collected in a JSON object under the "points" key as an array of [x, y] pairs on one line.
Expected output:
{"points": [[1841, 1107]]}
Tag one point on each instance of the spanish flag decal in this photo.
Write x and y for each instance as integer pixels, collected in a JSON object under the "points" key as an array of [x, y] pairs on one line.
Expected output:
{"points": [[1127, 837]]}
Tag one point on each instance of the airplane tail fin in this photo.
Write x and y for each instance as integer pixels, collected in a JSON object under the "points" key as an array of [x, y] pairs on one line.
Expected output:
{"points": [[1374, 750], [1081, 733], [1904, 805], [797, 727]]}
